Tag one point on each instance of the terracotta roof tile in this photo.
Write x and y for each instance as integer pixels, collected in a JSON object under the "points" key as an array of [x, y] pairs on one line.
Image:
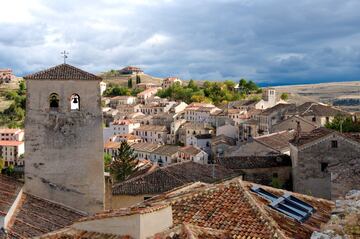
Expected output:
{"points": [[62, 72], [71, 233], [162, 179], [278, 141], [252, 162], [9, 189]]}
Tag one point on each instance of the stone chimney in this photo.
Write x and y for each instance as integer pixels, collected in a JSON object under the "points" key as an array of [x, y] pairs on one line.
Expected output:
{"points": [[298, 131]]}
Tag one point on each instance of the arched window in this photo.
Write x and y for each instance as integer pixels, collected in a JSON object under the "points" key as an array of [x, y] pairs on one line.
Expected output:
{"points": [[75, 102], [54, 101]]}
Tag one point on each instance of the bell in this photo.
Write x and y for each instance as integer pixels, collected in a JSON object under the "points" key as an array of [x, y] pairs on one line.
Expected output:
{"points": [[75, 101]]}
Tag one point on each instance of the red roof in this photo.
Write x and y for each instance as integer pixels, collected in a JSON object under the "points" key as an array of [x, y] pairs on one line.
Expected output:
{"points": [[10, 143]]}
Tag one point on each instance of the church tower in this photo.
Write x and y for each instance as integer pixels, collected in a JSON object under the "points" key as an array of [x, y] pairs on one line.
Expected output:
{"points": [[64, 141]]}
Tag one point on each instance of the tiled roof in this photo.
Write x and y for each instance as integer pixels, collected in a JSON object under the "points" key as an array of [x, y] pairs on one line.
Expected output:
{"points": [[307, 137], [157, 128], [9, 131], [234, 209], [62, 72], [71, 233], [163, 179], [223, 139], [10, 142], [189, 231], [112, 145], [168, 150], [9, 189], [316, 109], [145, 147], [278, 140], [190, 150], [278, 107], [252, 162], [35, 216]]}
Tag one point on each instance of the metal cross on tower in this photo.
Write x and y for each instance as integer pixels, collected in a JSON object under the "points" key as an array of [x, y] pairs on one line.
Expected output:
{"points": [[65, 55]]}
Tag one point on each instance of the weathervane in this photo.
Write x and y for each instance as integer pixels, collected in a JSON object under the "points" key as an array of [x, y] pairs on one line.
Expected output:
{"points": [[65, 55]]}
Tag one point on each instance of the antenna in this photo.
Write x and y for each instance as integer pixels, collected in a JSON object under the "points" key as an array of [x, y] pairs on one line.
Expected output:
{"points": [[65, 55]]}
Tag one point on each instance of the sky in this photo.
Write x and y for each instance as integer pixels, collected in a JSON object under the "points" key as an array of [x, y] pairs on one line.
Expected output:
{"points": [[268, 41]]}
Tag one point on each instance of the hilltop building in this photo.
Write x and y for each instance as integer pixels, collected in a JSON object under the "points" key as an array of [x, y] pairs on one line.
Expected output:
{"points": [[131, 70]]}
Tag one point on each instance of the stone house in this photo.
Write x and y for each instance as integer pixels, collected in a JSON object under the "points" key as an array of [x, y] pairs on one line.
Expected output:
{"points": [[292, 123], [122, 100], [146, 95], [229, 131], [318, 113], [248, 130], [152, 133], [143, 151], [200, 112], [272, 116], [220, 145], [271, 144], [11, 134], [131, 70], [261, 169], [167, 82], [123, 127], [165, 155], [325, 163], [191, 129], [154, 108], [202, 141], [6, 75], [193, 154]]}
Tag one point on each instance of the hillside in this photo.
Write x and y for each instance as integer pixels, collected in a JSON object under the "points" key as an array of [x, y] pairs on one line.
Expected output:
{"points": [[123, 79]]}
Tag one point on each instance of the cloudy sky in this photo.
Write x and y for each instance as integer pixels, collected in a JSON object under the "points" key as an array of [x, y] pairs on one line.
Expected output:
{"points": [[269, 41]]}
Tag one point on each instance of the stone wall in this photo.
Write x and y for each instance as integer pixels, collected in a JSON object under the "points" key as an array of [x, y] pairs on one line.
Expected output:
{"points": [[341, 174], [64, 148]]}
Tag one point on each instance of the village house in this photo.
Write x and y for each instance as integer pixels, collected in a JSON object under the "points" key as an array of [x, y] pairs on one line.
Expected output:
{"points": [[237, 115], [317, 113], [178, 107], [229, 131], [143, 150], [167, 82], [220, 145], [146, 95], [165, 155], [272, 116], [154, 108], [140, 118], [111, 147], [12, 147], [6, 75], [156, 180], [270, 144], [325, 163], [122, 100], [131, 70], [193, 154], [152, 133], [123, 127], [271, 170], [294, 122], [201, 141], [200, 112], [249, 130], [146, 85], [129, 138], [191, 129]]}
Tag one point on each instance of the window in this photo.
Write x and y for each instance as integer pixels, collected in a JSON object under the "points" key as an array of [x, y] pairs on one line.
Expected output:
{"points": [[287, 204], [334, 144], [314, 119], [324, 167], [75, 102], [54, 101]]}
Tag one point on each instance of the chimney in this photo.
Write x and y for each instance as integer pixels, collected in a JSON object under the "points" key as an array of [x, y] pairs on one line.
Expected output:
{"points": [[298, 131]]}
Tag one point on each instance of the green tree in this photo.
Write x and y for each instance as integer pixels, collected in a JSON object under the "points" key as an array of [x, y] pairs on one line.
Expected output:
{"points": [[344, 124], [22, 88], [2, 164], [124, 163], [107, 162], [275, 183], [192, 85], [130, 84], [138, 79], [284, 96]]}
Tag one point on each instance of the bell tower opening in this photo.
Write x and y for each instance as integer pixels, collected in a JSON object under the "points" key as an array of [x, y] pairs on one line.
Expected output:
{"points": [[75, 102], [54, 101]]}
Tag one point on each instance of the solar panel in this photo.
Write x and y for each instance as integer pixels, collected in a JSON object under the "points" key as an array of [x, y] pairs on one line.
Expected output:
{"points": [[287, 204]]}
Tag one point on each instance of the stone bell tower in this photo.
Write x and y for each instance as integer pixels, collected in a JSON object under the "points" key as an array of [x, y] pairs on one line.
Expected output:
{"points": [[64, 142]]}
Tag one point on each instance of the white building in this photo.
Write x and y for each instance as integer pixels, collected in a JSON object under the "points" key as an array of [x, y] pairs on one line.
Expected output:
{"points": [[143, 150], [123, 127], [200, 112], [11, 134], [193, 154], [11, 152], [152, 133], [147, 94], [165, 155], [122, 100], [102, 87]]}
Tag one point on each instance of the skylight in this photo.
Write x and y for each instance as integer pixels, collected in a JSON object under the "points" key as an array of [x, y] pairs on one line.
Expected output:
{"points": [[287, 204]]}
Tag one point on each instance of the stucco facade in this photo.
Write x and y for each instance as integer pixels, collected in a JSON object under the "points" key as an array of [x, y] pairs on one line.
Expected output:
{"points": [[64, 147]]}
